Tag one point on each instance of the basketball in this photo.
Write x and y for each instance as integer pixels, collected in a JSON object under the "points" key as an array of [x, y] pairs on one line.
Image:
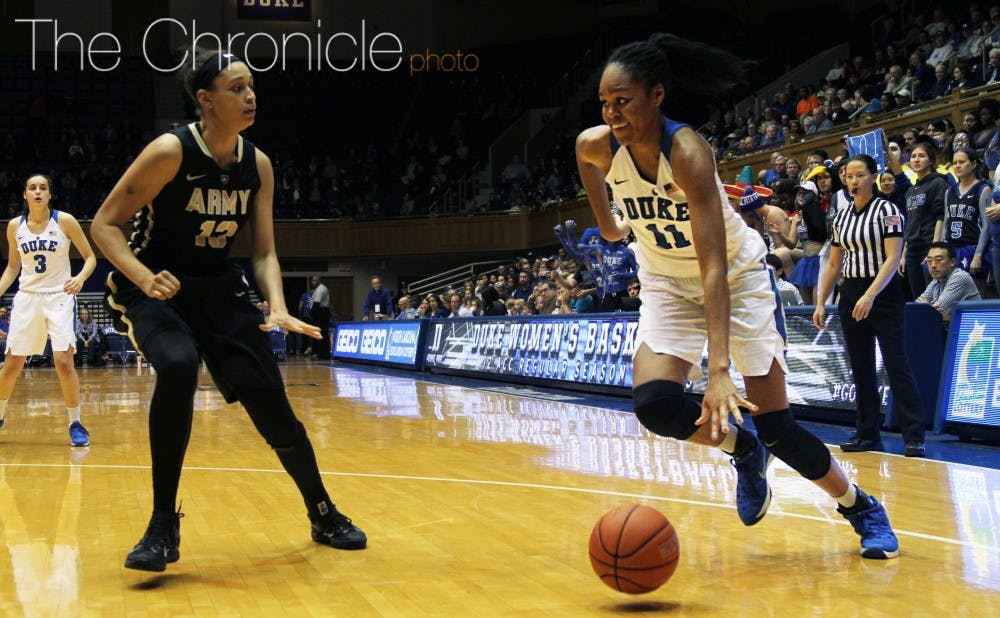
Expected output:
{"points": [[634, 549]]}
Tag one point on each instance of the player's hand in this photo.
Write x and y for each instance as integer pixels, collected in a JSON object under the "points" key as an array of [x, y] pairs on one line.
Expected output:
{"points": [[976, 265], [73, 285], [286, 321], [819, 317], [993, 212], [722, 399], [161, 286]]}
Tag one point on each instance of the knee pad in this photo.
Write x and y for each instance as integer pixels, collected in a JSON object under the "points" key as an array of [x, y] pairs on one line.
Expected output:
{"points": [[662, 408], [789, 442]]}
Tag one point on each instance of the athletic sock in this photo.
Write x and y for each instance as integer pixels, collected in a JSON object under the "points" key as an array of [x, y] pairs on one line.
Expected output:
{"points": [[850, 498], [74, 414]]}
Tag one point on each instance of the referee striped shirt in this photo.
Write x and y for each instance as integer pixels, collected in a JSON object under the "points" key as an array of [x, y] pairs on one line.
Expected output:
{"points": [[861, 235]]}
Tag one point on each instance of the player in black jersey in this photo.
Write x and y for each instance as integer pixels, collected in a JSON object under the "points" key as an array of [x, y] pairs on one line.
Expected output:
{"points": [[181, 298]]}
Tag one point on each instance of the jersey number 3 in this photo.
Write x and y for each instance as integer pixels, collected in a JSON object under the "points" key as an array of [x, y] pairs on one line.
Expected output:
{"points": [[661, 240], [40, 266], [215, 234]]}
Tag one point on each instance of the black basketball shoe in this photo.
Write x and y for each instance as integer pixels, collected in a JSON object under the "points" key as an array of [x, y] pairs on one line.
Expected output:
{"points": [[336, 530], [159, 545]]}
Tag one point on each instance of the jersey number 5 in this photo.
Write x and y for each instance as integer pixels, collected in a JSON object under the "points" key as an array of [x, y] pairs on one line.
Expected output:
{"points": [[215, 234], [661, 241]]}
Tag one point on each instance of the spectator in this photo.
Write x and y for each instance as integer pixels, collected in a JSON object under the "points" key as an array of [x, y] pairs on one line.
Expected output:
{"points": [[378, 302], [88, 341], [406, 312], [966, 223], [993, 68], [961, 78], [948, 284], [515, 171], [778, 169], [570, 302], [969, 43], [436, 308], [942, 52], [458, 309], [792, 169], [987, 132], [319, 315], [924, 212], [896, 80], [820, 121], [789, 293], [545, 298]]}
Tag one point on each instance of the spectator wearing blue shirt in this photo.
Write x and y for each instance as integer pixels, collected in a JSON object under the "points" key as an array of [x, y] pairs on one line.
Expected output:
{"points": [[378, 302]]}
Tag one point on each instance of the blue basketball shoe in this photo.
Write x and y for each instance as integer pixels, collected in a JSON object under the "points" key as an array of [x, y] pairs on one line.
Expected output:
{"points": [[753, 494], [78, 436], [871, 522]]}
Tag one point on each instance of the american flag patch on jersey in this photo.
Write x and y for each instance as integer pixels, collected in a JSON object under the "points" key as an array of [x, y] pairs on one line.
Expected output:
{"points": [[892, 220]]}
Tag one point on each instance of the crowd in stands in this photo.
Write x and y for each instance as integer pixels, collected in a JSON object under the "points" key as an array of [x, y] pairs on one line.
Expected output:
{"points": [[603, 279], [927, 56]]}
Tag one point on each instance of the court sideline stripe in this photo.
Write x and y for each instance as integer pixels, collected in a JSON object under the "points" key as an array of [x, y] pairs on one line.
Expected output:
{"points": [[603, 492]]}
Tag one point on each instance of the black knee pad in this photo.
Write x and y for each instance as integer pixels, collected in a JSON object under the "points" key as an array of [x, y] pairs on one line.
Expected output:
{"points": [[789, 442], [662, 408]]}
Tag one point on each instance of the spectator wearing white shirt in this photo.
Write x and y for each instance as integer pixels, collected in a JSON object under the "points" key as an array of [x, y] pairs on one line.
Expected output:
{"points": [[942, 51]]}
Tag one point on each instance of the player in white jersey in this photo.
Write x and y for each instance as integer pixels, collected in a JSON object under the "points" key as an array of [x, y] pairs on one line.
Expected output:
{"points": [[703, 277], [44, 306]]}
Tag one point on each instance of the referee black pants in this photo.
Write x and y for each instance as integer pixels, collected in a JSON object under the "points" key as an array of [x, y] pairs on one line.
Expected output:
{"points": [[885, 323]]}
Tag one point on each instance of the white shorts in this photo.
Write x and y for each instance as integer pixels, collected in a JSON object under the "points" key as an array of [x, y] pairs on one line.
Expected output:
{"points": [[35, 316], [672, 314]]}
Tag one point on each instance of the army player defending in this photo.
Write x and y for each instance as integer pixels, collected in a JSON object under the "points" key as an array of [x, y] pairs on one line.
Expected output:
{"points": [[177, 293], [38, 257]]}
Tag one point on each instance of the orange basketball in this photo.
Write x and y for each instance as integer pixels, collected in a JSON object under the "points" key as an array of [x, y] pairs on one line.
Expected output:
{"points": [[634, 549]]}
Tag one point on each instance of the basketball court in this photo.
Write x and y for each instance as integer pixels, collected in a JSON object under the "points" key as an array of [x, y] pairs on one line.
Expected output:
{"points": [[478, 500]]}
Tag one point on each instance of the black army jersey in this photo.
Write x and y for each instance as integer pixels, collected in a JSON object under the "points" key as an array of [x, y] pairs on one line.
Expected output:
{"points": [[190, 225]]}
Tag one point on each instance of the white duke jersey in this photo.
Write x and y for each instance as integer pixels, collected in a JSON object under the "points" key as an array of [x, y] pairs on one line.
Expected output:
{"points": [[658, 213], [44, 256]]}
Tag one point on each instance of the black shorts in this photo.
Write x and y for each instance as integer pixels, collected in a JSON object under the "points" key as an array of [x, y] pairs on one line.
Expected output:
{"points": [[215, 313]]}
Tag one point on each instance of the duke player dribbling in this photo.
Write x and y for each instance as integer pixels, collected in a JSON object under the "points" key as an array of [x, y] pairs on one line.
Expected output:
{"points": [[178, 294], [703, 277]]}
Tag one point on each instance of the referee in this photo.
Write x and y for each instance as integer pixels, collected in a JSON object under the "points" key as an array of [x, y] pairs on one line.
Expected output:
{"points": [[867, 242]]}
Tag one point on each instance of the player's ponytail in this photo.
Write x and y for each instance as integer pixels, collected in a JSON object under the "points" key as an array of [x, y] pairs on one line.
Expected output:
{"points": [[681, 65]]}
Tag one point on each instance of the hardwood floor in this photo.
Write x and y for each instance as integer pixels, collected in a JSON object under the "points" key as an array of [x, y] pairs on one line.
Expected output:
{"points": [[476, 503]]}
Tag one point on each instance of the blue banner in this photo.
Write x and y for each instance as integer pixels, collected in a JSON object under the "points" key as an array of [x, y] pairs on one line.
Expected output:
{"points": [[870, 144], [595, 350], [970, 378], [399, 342]]}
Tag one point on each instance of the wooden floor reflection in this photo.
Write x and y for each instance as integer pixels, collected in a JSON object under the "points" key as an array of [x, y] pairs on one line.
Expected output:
{"points": [[476, 503]]}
